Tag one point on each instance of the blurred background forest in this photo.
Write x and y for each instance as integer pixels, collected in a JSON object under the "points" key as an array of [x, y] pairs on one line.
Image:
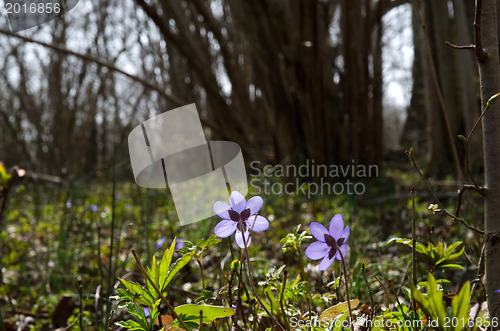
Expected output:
{"points": [[332, 81]]}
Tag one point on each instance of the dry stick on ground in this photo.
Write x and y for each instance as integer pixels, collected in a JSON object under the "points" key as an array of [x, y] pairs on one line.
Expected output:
{"points": [[442, 105]]}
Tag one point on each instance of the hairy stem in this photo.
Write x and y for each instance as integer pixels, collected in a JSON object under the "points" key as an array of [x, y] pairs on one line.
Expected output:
{"points": [[351, 319], [251, 282]]}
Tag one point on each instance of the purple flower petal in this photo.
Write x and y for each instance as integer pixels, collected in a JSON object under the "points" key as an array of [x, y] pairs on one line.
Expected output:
{"points": [[326, 263], [237, 201], [225, 228], [497, 291], [146, 312], [336, 226], [345, 233], [239, 238], [343, 250], [318, 231], [254, 204], [257, 224], [317, 250], [160, 243], [221, 208]]}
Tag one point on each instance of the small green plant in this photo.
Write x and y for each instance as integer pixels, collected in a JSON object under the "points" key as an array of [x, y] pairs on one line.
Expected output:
{"points": [[143, 302], [433, 306], [436, 257]]}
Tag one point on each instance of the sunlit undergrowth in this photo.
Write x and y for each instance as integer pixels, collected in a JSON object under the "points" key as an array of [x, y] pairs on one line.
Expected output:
{"points": [[59, 270]]}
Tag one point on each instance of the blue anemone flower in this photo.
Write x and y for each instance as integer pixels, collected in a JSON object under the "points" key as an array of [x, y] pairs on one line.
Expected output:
{"points": [[240, 216], [331, 243]]}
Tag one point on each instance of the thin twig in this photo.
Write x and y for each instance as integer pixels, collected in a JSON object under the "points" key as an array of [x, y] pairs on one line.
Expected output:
{"points": [[477, 122], [478, 189], [285, 274], [460, 47], [443, 209], [414, 245], [372, 302], [466, 144], [479, 275], [387, 302], [157, 290]]}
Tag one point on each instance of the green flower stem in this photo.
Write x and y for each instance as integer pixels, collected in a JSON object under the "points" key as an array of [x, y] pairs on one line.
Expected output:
{"points": [[251, 283], [201, 272], [347, 290], [240, 287], [172, 310]]}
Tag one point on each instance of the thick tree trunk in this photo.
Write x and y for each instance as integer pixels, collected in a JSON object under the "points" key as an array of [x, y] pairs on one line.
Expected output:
{"points": [[489, 74]]}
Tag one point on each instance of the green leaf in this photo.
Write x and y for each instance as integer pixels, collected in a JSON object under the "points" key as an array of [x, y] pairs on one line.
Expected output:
{"points": [[451, 266], [153, 273], [165, 265], [143, 296], [435, 297], [131, 325], [438, 281], [4, 176], [210, 313], [454, 256], [492, 100], [176, 267], [432, 305], [450, 249], [211, 241], [462, 138], [420, 248], [404, 241], [460, 306]]}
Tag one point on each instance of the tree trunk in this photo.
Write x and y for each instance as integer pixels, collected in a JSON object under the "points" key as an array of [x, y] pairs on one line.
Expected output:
{"points": [[489, 74]]}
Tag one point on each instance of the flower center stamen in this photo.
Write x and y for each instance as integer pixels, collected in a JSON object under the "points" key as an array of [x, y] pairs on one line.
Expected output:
{"points": [[334, 244], [236, 217]]}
